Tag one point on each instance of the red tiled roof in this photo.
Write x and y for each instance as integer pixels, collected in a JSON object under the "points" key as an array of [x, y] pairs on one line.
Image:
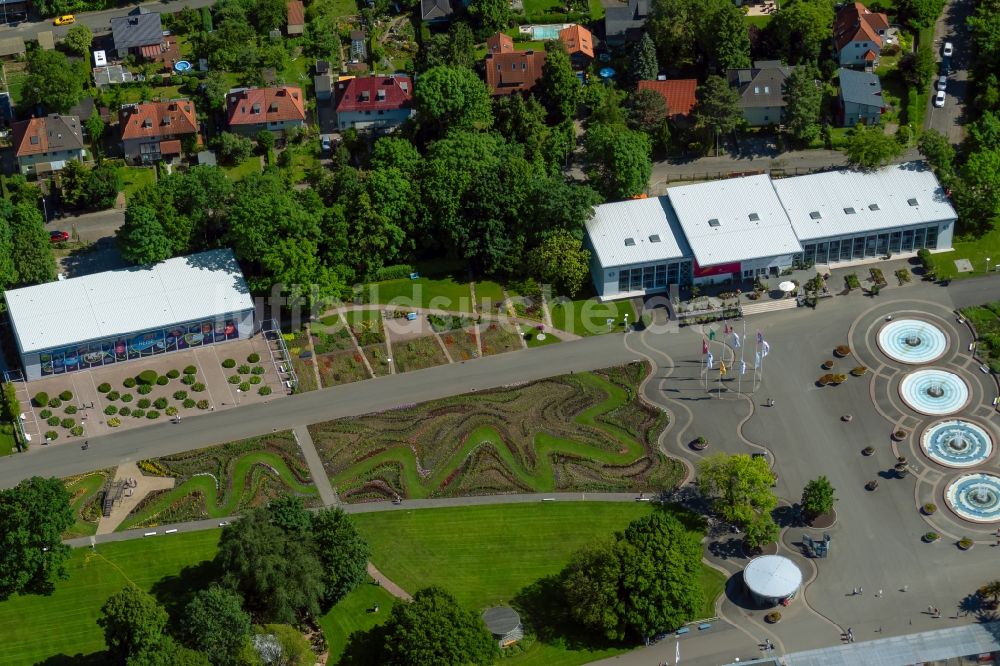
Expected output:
{"points": [[679, 94], [171, 147], [499, 43], [517, 71], [150, 50], [374, 93], [870, 55], [253, 106], [577, 39], [296, 12], [153, 119], [41, 135], [856, 23]]}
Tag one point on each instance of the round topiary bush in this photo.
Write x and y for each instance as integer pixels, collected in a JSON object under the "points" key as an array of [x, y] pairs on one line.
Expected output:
{"points": [[243, 369], [70, 409], [124, 411], [113, 395], [53, 421], [180, 395], [142, 403], [138, 413], [45, 413], [253, 358], [152, 414], [144, 389], [257, 370], [51, 435], [114, 422], [229, 363], [868, 450], [772, 617], [66, 395], [160, 403], [859, 371], [173, 373], [931, 537], [110, 410], [127, 397], [929, 509], [198, 387], [41, 399], [171, 411], [162, 380], [104, 387], [67, 423], [965, 543], [55, 402], [76, 431], [187, 380], [264, 390], [827, 364], [129, 382], [244, 387], [255, 379], [203, 404], [147, 377], [188, 403], [842, 351], [190, 370], [234, 379]]}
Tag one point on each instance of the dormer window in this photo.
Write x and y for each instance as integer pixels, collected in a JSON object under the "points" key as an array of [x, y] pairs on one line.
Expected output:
{"points": [[165, 120], [380, 95], [34, 140], [255, 109], [146, 122], [365, 95], [273, 107]]}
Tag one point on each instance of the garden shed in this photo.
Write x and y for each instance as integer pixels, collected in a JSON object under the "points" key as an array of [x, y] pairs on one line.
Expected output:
{"points": [[127, 314], [505, 625]]}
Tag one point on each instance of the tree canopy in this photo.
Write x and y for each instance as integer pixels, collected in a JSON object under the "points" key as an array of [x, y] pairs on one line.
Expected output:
{"points": [[817, 497], [562, 261], [215, 623], [142, 239], [717, 111], [32, 253], [739, 486], [619, 159], [803, 103], [800, 30], [644, 66], [558, 89], [78, 39], [52, 82], [452, 98], [132, 621], [35, 514], [868, 147]]}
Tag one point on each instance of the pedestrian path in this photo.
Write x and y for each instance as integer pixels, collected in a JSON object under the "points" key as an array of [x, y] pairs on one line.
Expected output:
{"points": [[388, 585], [316, 469]]}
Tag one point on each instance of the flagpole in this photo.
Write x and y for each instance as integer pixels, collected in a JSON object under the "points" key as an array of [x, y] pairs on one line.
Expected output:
{"points": [[739, 382]]}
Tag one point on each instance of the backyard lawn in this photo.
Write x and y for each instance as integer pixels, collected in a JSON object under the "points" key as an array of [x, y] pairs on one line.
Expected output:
{"points": [[441, 293], [588, 316], [354, 613], [759, 21], [488, 295], [134, 178], [7, 443], [975, 251], [64, 623], [243, 169]]}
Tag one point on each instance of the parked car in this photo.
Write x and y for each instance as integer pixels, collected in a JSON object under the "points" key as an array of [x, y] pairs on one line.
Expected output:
{"points": [[326, 145], [942, 82], [948, 50], [939, 99], [64, 20], [58, 236]]}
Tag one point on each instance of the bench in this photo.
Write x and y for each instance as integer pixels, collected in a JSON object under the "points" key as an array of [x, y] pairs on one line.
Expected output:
{"points": [[288, 384], [682, 630], [703, 626], [985, 368]]}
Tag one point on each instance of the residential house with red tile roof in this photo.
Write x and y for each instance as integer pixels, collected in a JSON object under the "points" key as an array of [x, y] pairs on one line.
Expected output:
{"points": [[858, 35], [296, 17], [579, 43], [509, 71], [278, 108], [378, 103], [46, 144], [679, 94], [152, 131]]}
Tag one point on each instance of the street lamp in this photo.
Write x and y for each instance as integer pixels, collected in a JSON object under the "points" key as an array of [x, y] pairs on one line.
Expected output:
{"points": [[987, 264], [238, 397]]}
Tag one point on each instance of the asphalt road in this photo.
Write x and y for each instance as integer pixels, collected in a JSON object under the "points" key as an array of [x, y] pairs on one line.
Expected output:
{"points": [[91, 227], [951, 27], [98, 22]]}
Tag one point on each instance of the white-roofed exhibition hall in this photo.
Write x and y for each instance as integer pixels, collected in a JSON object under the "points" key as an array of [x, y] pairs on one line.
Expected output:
{"points": [[741, 228], [121, 315]]}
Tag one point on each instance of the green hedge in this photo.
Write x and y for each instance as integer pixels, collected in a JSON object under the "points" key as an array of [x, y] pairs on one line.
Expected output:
{"points": [[394, 272], [147, 377]]}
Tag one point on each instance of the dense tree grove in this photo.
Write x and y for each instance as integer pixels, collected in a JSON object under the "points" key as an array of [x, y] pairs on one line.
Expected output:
{"points": [[35, 514]]}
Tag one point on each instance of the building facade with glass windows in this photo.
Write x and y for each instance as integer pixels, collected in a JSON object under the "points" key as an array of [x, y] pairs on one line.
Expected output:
{"points": [[128, 314], [741, 228]]}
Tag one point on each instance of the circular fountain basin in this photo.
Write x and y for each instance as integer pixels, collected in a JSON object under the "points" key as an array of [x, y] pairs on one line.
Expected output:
{"points": [[912, 341], [957, 443], [934, 392], [975, 497]]}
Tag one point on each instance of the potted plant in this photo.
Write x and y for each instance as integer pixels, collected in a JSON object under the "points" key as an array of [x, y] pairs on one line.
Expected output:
{"points": [[839, 379], [965, 543], [825, 380], [772, 617], [699, 444], [931, 537], [868, 450], [842, 351], [902, 466], [827, 364], [859, 371], [929, 509], [899, 435]]}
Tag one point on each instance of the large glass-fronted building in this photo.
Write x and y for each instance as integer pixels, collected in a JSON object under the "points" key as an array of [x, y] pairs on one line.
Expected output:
{"points": [[123, 315]]}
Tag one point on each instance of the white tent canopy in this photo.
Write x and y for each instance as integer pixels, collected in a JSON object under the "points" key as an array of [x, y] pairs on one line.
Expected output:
{"points": [[772, 576]]}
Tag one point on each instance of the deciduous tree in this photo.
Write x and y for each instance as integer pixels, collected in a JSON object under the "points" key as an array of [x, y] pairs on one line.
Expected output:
{"points": [[817, 497], [490, 15], [342, 553], [920, 13], [132, 621], [592, 584], [78, 39], [803, 103], [35, 514], [52, 82], [938, 151], [739, 486], [619, 159], [234, 148], [32, 253], [980, 193], [141, 239], [919, 68], [724, 37], [558, 89], [717, 111], [673, 25], [8, 272], [869, 147], [648, 113], [215, 623], [562, 261], [452, 98], [455, 48], [799, 31]]}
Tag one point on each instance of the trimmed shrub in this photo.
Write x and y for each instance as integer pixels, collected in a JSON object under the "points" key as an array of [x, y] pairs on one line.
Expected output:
{"points": [[180, 395], [203, 404], [243, 369], [138, 413], [772, 617], [45, 413], [51, 435], [66, 395], [198, 388], [53, 421], [929, 509], [264, 390], [257, 370], [162, 380], [234, 379], [113, 395], [144, 389], [859, 371], [160, 403], [129, 382], [104, 387], [188, 403], [127, 397], [171, 411], [142, 403], [190, 370], [70, 409], [124, 411], [229, 363], [55, 402], [255, 379], [152, 414], [187, 380], [930, 537], [110, 410], [41, 399], [173, 373], [965, 543], [76, 431], [114, 422], [245, 387], [147, 377], [394, 272], [253, 358], [67, 423]]}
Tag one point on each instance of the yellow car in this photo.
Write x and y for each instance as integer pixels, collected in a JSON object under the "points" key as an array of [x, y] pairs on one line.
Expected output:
{"points": [[64, 20]]}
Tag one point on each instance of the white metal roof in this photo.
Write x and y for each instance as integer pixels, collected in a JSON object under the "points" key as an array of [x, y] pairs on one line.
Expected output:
{"points": [[718, 220], [123, 301], [641, 220], [890, 189], [772, 576]]}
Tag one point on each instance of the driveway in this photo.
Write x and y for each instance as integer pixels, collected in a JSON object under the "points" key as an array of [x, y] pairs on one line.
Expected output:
{"points": [[951, 28]]}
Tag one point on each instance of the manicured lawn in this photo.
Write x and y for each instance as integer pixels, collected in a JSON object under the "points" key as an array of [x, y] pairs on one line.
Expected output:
{"points": [[531, 337], [596, 10], [64, 623], [84, 490], [135, 94], [975, 251], [441, 293], [543, 11], [134, 178], [358, 316], [243, 169], [7, 443], [488, 295], [588, 316], [353, 613], [759, 21]]}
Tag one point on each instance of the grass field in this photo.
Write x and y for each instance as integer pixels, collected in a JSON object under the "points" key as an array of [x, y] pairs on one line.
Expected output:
{"points": [[38, 627], [134, 178], [441, 293], [975, 251], [353, 613], [248, 166], [488, 295], [7, 443], [531, 337], [588, 316]]}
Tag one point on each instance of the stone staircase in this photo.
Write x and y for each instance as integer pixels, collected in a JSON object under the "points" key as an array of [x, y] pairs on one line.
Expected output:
{"points": [[769, 306]]}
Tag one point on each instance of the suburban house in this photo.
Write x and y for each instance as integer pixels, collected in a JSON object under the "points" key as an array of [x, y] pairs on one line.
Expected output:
{"points": [[152, 131], [760, 89], [625, 23], [45, 144], [140, 33], [860, 98], [579, 43], [379, 103], [858, 35], [435, 11], [679, 94], [278, 108], [509, 71], [296, 17]]}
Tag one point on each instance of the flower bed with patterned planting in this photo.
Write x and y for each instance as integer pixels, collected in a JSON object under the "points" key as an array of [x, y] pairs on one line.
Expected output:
{"points": [[341, 368], [499, 338], [224, 480], [462, 344], [585, 431]]}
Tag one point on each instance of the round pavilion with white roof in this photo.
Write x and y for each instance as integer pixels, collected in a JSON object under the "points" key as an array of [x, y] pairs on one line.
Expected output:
{"points": [[771, 579]]}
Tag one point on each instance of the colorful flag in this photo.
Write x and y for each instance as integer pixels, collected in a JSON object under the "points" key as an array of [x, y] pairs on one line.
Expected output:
{"points": [[710, 360], [766, 348], [736, 340], [726, 330], [711, 334], [704, 346], [722, 368], [743, 367], [677, 653], [760, 337]]}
